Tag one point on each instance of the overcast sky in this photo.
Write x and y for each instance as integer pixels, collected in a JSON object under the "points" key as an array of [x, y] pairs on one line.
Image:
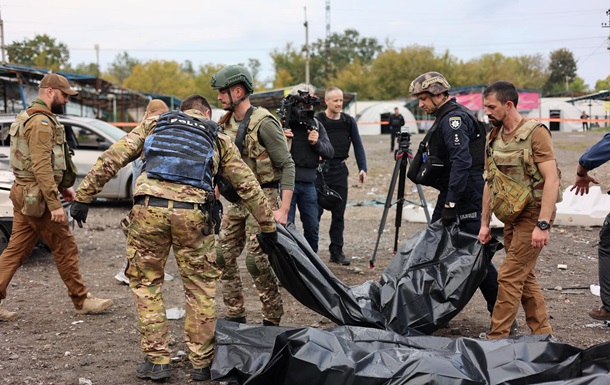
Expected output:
{"points": [[230, 32]]}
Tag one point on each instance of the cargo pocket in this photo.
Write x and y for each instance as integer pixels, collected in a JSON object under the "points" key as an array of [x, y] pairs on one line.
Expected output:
{"points": [[33, 204]]}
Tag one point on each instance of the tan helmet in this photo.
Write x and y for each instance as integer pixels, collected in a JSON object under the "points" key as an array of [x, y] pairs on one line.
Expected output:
{"points": [[432, 82]]}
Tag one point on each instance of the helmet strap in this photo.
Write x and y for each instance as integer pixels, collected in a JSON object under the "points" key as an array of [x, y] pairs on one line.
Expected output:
{"points": [[235, 103], [441, 103]]}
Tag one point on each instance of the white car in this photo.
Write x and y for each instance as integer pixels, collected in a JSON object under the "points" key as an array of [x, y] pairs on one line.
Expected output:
{"points": [[88, 137]]}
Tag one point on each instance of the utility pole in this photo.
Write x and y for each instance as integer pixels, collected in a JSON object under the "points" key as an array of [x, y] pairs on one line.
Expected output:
{"points": [[97, 80], [327, 43], [2, 38], [306, 48], [607, 25]]}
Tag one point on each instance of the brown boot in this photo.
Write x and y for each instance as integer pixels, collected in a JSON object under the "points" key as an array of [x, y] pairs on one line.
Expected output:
{"points": [[6, 316], [600, 314], [94, 305]]}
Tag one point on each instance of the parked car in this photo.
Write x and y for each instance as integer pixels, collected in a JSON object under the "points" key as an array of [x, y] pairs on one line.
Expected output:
{"points": [[88, 137]]}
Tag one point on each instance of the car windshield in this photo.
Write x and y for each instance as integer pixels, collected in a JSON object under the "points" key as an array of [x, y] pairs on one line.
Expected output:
{"points": [[108, 129]]}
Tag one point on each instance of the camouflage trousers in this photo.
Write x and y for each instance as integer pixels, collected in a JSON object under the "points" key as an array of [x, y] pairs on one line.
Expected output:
{"points": [[239, 229], [152, 232]]}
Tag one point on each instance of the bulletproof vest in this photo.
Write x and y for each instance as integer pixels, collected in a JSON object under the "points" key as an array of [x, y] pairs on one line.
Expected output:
{"points": [[339, 133], [516, 158], [20, 160], [302, 152], [180, 150], [476, 145], [254, 153]]}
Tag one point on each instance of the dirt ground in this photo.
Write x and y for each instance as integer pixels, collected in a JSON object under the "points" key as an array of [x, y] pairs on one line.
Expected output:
{"points": [[50, 344]]}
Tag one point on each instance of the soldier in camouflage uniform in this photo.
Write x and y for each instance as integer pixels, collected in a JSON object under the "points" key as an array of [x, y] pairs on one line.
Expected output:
{"points": [[263, 147], [172, 210], [38, 162], [523, 150]]}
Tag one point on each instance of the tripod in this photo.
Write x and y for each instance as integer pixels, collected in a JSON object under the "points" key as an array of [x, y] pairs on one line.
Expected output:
{"points": [[403, 159]]}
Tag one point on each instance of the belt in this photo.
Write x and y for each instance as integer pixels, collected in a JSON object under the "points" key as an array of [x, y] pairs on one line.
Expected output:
{"points": [[147, 200]]}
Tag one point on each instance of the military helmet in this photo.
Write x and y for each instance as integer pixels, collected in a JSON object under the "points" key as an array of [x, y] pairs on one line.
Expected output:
{"points": [[328, 198], [232, 75], [432, 82]]}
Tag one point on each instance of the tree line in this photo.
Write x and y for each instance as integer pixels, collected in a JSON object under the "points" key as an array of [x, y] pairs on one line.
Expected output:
{"points": [[346, 60]]}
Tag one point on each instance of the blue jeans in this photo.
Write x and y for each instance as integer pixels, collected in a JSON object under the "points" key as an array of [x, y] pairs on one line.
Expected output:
{"points": [[306, 198]]}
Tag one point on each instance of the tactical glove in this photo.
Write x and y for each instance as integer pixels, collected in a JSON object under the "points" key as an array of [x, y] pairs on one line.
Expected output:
{"points": [[267, 242], [79, 212], [449, 216]]}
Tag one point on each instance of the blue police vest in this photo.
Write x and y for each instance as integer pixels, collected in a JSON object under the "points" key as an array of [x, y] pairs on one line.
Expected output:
{"points": [[180, 150]]}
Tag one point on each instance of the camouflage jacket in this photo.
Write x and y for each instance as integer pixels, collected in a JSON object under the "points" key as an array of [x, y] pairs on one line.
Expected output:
{"points": [[226, 161]]}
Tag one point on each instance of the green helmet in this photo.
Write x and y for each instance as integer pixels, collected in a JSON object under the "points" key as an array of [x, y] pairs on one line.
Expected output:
{"points": [[232, 75], [432, 82]]}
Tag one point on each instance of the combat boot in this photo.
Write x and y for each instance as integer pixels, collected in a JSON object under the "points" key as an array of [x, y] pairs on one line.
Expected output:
{"points": [[94, 305], [201, 374], [337, 256], [153, 371], [6, 315]]}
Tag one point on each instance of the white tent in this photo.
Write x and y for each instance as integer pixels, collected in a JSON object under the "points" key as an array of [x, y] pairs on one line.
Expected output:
{"points": [[370, 118], [568, 116]]}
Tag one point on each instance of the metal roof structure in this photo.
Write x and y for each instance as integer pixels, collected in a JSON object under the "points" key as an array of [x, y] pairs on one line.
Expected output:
{"points": [[105, 97]]}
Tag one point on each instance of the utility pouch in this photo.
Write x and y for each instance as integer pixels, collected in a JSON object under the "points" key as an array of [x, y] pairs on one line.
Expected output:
{"points": [[430, 171], [69, 177], [226, 189], [508, 198], [33, 204]]}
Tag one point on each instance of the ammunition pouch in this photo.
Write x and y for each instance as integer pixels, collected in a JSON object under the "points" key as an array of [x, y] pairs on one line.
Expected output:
{"points": [[508, 198]]}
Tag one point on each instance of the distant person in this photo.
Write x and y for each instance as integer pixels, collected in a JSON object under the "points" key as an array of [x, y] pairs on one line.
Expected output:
{"points": [[155, 108], [308, 144], [594, 157], [396, 121], [585, 123], [458, 141], [38, 162], [262, 144], [343, 132], [527, 211], [172, 210]]}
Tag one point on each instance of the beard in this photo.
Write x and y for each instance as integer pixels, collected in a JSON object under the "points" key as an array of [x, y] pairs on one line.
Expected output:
{"points": [[495, 123], [57, 107]]}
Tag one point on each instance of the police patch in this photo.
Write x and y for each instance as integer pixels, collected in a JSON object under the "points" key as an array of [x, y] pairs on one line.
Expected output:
{"points": [[455, 122]]}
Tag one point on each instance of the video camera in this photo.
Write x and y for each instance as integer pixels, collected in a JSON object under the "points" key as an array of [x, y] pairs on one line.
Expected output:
{"points": [[297, 110], [404, 139]]}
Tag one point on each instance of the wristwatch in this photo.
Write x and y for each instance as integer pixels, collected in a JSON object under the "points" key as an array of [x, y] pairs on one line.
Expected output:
{"points": [[450, 205], [543, 225]]}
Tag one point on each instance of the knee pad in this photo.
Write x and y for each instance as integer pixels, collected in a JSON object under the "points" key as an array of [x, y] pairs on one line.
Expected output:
{"points": [[251, 266]]}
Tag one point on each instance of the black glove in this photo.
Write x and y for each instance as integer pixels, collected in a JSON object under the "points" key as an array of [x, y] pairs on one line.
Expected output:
{"points": [[79, 212], [267, 242], [449, 216]]}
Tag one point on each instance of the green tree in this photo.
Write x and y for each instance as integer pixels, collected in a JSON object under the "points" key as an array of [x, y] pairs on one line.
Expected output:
{"points": [[202, 82], [85, 69], [289, 66], [120, 68], [340, 50], [160, 77], [42, 51], [562, 71], [603, 84]]}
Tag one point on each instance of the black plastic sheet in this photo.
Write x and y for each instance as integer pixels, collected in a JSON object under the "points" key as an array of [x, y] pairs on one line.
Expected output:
{"points": [[432, 278], [354, 355]]}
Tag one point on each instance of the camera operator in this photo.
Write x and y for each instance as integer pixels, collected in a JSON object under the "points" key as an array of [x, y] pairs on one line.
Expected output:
{"points": [[308, 143], [458, 141]]}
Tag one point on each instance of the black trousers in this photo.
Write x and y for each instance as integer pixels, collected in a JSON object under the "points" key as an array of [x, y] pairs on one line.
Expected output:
{"points": [[603, 255], [336, 178]]}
